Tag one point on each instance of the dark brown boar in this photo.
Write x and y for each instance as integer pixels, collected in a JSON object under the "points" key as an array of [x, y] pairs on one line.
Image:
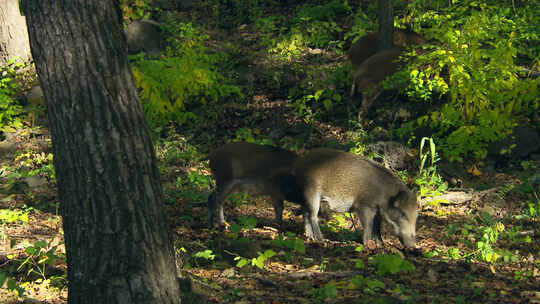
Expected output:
{"points": [[370, 74], [257, 169], [370, 67], [366, 46]]}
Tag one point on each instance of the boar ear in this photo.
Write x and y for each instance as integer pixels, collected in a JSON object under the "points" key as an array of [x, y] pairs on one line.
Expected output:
{"points": [[416, 196], [418, 200]]}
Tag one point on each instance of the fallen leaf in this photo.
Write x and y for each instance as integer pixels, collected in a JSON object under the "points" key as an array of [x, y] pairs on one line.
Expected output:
{"points": [[474, 170]]}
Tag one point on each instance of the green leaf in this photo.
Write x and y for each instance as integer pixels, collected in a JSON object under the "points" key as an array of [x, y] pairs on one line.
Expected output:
{"points": [[206, 254], [235, 228], [318, 94], [375, 284], [3, 278], [20, 291], [327, 104], [299, 246], [392, 263], [269, 253], [259, 262], [241, 263], [11, 284], [31, 250], [431, 254], [248, 222], [358, 280], [40, 244], [330, 291]]}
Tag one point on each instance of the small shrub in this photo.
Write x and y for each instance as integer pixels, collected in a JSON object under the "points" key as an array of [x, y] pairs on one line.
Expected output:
{"points": [[429, 181], [9, 108], [251, 136], [290, 46], [41, 255], [328, 291], [8, 216], [294, 244], [258, 261], [233, 13], [476, 69], [30, 163], [361, 26], [314, 104], [11, 283], [135, 9], [392, 263], [188, 78], [171, 88], [193, 186], [315, 27]]}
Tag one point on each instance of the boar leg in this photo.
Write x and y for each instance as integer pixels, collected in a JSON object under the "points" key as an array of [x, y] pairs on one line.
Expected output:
{"points": [[216, 199], [367, 217], [278, 211], [367, 100], [313, 202], [353, 88], [308, 231], [211, 203], [376, 228]]}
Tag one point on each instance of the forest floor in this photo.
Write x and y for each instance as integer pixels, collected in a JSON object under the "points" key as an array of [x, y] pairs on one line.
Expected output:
{"points": [[448, 266], [477, 244]]}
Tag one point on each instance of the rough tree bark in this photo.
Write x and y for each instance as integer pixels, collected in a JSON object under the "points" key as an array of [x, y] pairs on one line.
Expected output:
{"points": [[118, 244], [386, 25], [13, 34]]}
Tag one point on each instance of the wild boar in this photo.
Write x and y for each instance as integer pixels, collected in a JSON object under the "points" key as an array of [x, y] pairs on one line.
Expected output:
{"points": [[257, 169], [370, 67], [349, 183], [366, 46], [369, 75]]}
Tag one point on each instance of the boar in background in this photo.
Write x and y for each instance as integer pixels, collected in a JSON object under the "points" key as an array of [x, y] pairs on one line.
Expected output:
{"points": [[371, 68]]}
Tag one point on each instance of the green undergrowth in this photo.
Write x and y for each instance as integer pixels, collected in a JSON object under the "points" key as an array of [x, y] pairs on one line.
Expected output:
{"points": [[177, 87], [10, 108], [477, 65]]}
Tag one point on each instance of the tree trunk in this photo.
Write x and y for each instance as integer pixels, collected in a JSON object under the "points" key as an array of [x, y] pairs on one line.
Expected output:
{"points": [[118, 244], [386, 25], [13, 34]]}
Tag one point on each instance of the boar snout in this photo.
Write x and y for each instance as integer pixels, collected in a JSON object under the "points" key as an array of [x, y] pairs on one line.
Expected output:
{"points": [[408, 240], [405, 232]]}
